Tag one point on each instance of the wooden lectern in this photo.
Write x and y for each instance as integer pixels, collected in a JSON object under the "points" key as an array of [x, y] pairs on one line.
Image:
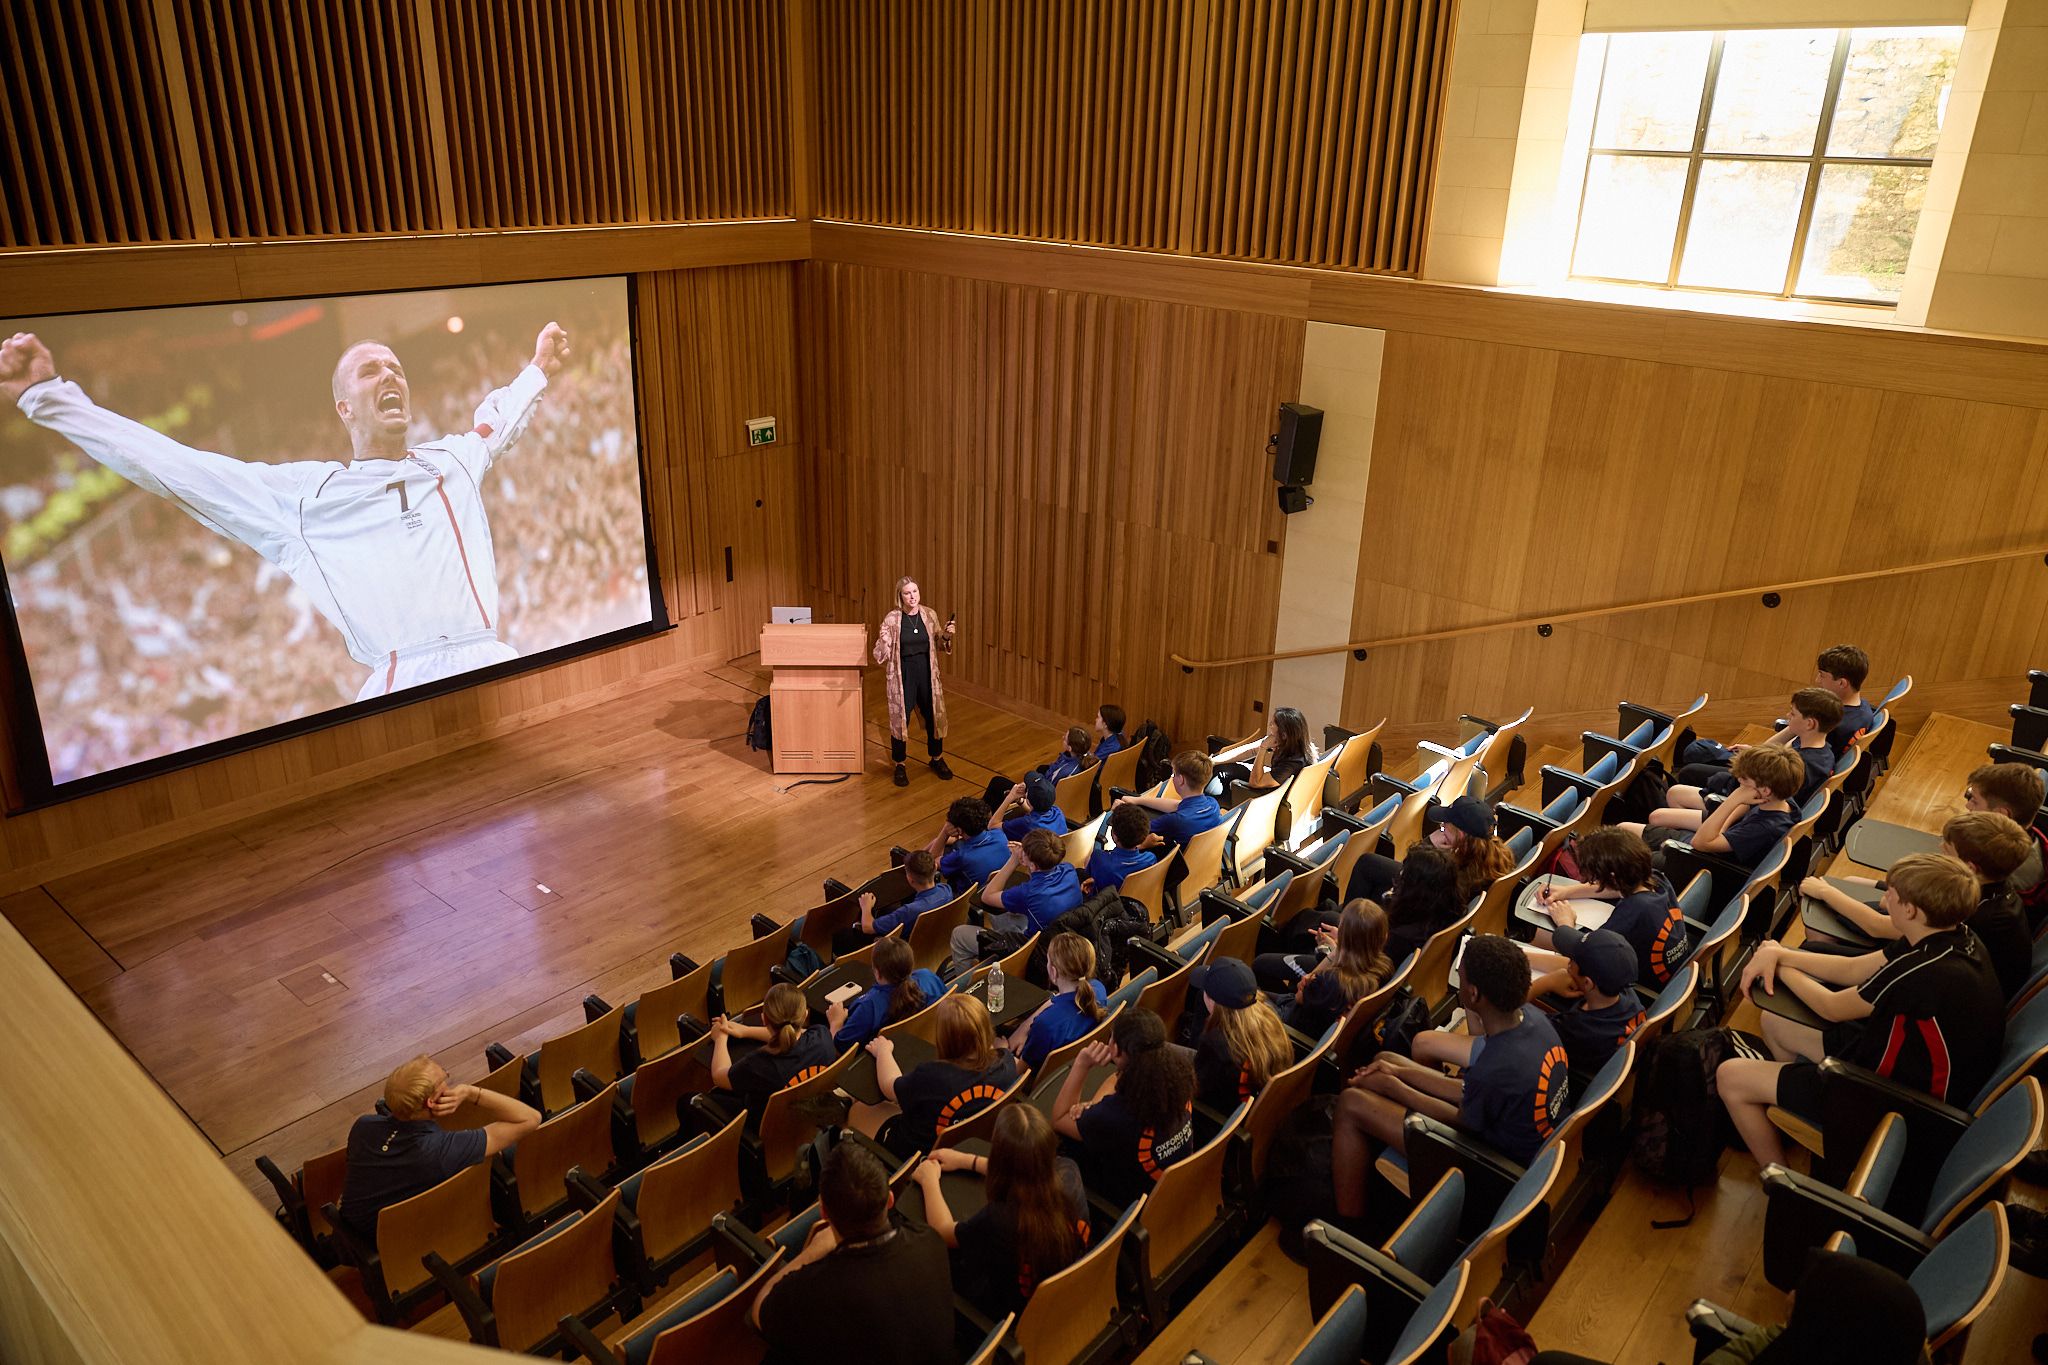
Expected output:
{"points": [[815, 696]]}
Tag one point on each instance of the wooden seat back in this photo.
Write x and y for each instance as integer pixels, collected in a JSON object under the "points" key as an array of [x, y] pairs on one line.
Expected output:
{"points": [[502, 1081], [1252, 834], [1069, 1310], [579, 1136], [1305, 892], [1081, 839], [1187, 1198], [923, 1023], [593, 1048], [1352, 767], [1405, 828], [549, 1279], [981, 1124], [654, 1016], [1431, 979], [744, 980], [1284, 1093], [721, 1332], [1594, 812], [1147, 886], [1061, 1057], [1492, 915], [1301, 805], [1167, 996], [1203, 858], [320, 1183], [1071, 794], [1239, 939], [660, 1086], [784, 1129], [680, 1195], [453, 1218], [1366, 1011], [931, 933], [1013, 966], [1667, 742], [1120, 769]]}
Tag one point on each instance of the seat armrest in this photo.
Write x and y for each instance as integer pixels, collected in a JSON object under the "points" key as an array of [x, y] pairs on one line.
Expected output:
{"points": [[1854, 1099], [1337, 1260], [594, 1008], [1683, 862], [1208, 1116], [496, 1055], [584, 1341], [1434, 1148], [690, 1028], [1512, 820], [1594, 747], [1300, 1042], [1280, 860], [1145, 953], [1556, 781], [1380, 786], [1632, 715], [1340, 819], [1713, 1327], [476, 1314], [586, 1193], [584, 1083], [1217, 905], [1441, 751], [1480, 723], [680, 965], [1237, 793], [748, 1247], [352, 1249], [1803, 1213]]}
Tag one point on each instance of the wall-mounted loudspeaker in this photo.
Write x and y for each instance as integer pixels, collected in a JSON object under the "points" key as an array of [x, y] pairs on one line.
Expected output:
{"points": [[1294, 446]]}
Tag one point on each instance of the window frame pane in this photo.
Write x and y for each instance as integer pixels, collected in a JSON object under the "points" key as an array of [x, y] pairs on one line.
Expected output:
{"points": [[1816, 163]]}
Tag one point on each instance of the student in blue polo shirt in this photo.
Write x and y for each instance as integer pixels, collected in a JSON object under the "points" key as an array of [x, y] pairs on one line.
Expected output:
{"points": [[927, 892], [1604, 1008], [400, 1150], [901, 989], [1109, 729], [1033, 799], [1186, 809], [1077, 1006], [1129, 826], [1072, 758], [1052, 889], [967, 849], [1512, 1092]]}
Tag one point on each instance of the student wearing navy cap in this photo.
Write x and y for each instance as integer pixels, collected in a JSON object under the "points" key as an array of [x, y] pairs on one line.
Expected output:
{"points": [[1034, 795], [1052, 889], [1604, 1011], [967, 849], [1186, 809], [1465, 830], [1511, 1096], [1129, 827], [1243, 1043]]}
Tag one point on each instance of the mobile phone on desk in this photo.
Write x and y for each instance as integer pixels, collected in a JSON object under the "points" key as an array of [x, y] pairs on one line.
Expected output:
{"points": [[839, 995]]}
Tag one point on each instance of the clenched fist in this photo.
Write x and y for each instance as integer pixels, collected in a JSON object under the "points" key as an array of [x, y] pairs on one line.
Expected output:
{"points": [[24, 361], [550, 349]]}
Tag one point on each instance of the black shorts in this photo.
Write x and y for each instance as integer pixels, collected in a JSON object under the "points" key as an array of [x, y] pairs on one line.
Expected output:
{"points": [[1799, 1090]]}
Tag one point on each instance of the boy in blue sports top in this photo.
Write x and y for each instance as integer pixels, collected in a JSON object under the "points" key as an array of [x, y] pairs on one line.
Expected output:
{"points": [[1052, 889], [1072, 758], [927, 892], [967, 849], [1034, 795], [1511, 1095], [1129, 827], [1604, 1011], [1186, 809]]}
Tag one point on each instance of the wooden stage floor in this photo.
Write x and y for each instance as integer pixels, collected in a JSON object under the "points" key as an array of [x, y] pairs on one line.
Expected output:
{"points": [[270, 974]]}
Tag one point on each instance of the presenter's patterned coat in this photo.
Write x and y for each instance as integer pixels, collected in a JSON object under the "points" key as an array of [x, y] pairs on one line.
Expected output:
{"points": [[886, 640]]}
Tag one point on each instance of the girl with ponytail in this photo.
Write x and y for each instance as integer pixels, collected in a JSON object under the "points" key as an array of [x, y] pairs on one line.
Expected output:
{"points": [[1077, 1006], [898, 992], [1035, 1222], [787, 1046]]}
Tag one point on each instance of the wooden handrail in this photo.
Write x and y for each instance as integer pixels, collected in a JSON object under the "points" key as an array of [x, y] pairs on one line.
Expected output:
{"points": [[1622, 609]]}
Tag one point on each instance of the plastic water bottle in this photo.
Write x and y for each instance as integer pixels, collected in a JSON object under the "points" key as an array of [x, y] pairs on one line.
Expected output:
{"points": [[995, 989]]}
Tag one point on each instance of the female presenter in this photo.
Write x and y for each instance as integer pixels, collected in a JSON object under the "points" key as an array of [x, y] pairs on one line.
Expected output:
{"points": [[905, 646]]}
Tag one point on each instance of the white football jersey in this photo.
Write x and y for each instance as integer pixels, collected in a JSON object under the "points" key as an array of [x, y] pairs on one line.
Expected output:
{"points": [[396, 554]]}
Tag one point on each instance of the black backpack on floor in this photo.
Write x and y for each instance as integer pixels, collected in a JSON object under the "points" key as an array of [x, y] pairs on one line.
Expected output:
{"points": [[760, 730], [1680, 1128]]}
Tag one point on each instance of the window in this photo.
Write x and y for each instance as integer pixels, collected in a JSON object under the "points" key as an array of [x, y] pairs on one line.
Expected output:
{"points": [[1787, 162]]}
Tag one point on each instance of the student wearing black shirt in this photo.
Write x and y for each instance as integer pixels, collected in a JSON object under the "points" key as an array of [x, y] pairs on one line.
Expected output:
{"points": [[1034, 1225], [1325, 988], [1283, 752], [789, 1048], [1753, 818], [1422, 900], [1924, 1010], [401, 1151], [1804, 729], [1466, 830], [868, 1285], [1841, 669], [1991, 846], [1604, 1011], [1511, 1095], [2015, 790], [910, 672], [1142, 1119], [1618, 867], [1243, 1044], [967, 1076]]}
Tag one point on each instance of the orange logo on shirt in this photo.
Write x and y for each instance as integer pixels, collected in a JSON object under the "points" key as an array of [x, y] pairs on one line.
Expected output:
{"points": [[978, 1095], [1553, 1084], [1670, 932]]}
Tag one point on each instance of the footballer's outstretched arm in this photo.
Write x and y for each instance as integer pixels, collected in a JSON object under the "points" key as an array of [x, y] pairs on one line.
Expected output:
{"points": [[504, 413], [245, 501]]}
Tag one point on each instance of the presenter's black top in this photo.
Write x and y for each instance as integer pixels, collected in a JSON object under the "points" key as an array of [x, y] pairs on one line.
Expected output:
{"points": [[915, 642]]}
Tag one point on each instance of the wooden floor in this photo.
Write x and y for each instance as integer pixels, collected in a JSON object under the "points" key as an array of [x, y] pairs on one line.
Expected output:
{"points": [[270, 974]]}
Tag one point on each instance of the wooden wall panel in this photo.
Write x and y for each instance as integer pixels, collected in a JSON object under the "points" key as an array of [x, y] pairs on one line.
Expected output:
{"points": [[715, 346], [311, 119], [715, 90], [1509, 480], [91, 154], [534, 92], [1082, 478], [1303, 133]]}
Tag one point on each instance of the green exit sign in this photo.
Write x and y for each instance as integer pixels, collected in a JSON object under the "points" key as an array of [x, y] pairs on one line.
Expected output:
{"points": [[760, 431]]}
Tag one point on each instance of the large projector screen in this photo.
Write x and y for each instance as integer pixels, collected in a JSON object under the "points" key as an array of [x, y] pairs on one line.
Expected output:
{"points": [[217, 521]]}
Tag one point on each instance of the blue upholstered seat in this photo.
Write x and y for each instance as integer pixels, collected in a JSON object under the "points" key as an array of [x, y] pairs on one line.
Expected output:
{"points": [[1336, 1338], [1128, 992], [640, 1346], [487, 1278]]}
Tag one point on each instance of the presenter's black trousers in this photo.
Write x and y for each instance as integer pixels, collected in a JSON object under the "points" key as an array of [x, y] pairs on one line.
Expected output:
{"points": [[917, 697]]}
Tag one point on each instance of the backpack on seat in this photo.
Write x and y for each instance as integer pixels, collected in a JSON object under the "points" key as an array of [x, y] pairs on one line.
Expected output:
{"points": [[1680, 1128], [1155, 761]]}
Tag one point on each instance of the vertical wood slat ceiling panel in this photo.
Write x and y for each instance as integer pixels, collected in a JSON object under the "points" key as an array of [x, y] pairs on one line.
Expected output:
{"points": [[716, 108], [1307, 134], [309, 119], [92, 157]]}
